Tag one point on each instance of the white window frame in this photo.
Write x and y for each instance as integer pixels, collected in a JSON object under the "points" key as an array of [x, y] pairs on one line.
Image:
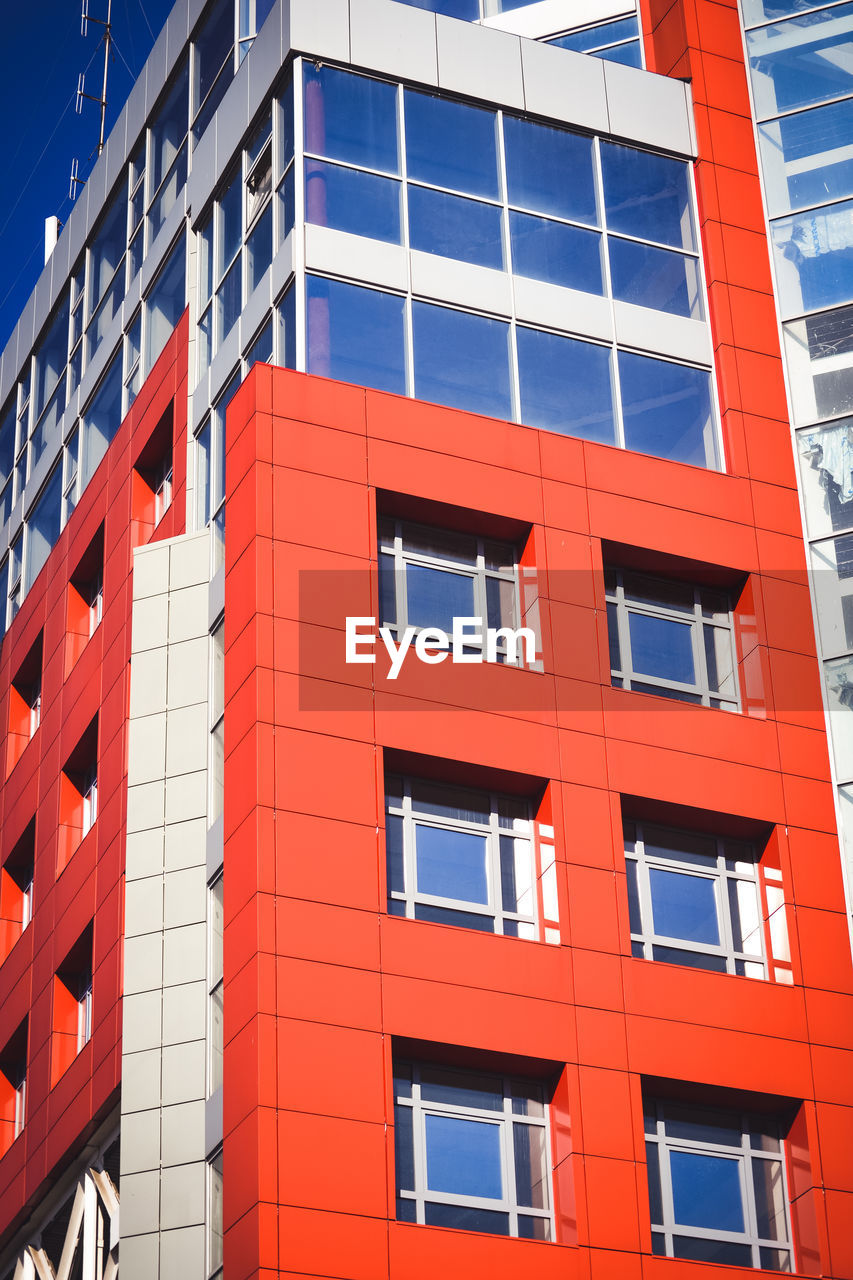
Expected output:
{"points": [[89, 794], [395, 556], [734, 863], [619, 610], [493, 827], [755, 1130], [516, 1092]]}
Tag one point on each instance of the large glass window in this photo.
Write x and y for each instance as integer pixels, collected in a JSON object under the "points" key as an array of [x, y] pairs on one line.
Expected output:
{"points": [[461, 360], [165, 304], [671, 638], [566, 385], [717, 1187], [803, 60], [43, 526], [460, 856], [428, 577], [472, 1151], [694, 899], [101, 419], [667, 409], [617, 40], [213, 64], [356, 335]]}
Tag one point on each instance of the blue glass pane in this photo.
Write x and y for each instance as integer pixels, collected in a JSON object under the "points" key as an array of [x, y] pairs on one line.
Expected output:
{"points": [[666, 410], [628, 55], [450, 144], [459, 919], [661, 647], [463, 1157], [654, 278], [464, 1218], [724, 1252], [690, 959], [647, 195], [404, 1151], [467, 9], [802, 61], [594, 37], [814, 258], [348, 117], [349, 200], [565, 385], [394, 853], [706, 1191], [435, 597], [461, 360], [684, 906], [806, 156], [550, 170], [451, 864], [455, 228], [555, 252], [356, 335]]}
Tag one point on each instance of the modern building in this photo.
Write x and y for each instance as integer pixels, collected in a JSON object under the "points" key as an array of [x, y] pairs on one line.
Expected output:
{"points": [[327, 951]]}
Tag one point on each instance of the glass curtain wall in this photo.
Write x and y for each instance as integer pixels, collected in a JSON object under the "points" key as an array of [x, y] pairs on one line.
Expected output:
{"points": [[801, 69]]}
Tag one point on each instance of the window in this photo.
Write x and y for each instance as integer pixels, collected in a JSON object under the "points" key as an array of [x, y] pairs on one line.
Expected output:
{"points": [[671, 638], [460, 856], [72, 1005], [215, 984], [78, 794], [252, 14], [24, 703], [165, 304], [217, 720], [472, 1151], [717, 1186], [210, 467], [428, 577], [151, 481], [16, 890], [504, 194], [167, 173], [213, 1217], [43, 526], [213, 63], [85, 606], [617, 40], [13, 1087], [101, 420], [695, 899]]}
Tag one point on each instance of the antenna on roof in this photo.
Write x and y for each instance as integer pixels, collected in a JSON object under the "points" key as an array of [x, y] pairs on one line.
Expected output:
{"points": [[106, 39]]}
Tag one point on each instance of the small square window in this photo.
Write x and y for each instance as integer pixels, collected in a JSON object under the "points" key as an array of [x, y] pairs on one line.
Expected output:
{"points": [[695, 899], [16, 890], [429, 576], [13, 1087], [72, 1005], [78, 795], [461, 856], [673, 639], [24, 704], [472, 1151], [717, 1186]]}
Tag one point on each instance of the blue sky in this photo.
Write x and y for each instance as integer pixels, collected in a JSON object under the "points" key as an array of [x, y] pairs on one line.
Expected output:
{"points": [[41, 134]]}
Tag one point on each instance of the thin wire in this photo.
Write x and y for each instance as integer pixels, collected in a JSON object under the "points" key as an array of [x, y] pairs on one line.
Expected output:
{"points": [[123, 58], [145, 16]]}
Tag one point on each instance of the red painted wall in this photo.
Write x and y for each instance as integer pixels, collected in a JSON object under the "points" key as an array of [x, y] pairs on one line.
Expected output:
{"points": [[319, 978], [82, 678]]}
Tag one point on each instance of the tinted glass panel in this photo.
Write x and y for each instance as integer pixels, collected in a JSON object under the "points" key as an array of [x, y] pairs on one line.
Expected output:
{"points": [[684, 906], [556, 252], [451, 864], [43, 526], [594, 37], [814, 257], [667, 409], [449, 144], [435, 598], [690, 959], [661, 647], [706, 1191], [461, 1088], [656, 278], [463, 1157], [348, 117], [565, 385], [404, 1155], [455, 228], [806, 157], [349, 200], [549, 170], [629, 55], [461, 360], [801, 61], [722, 1251], [465, 1219], [467, 9], [647, 195], [449, 915], [356, 335]]}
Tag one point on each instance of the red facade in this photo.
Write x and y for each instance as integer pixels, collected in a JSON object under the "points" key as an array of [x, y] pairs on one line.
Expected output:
{"points": [[77, 873]]}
